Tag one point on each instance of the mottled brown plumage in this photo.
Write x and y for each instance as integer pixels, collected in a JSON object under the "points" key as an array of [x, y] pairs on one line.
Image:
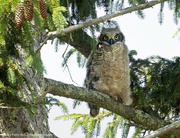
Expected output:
{"points": [[108, 68]]}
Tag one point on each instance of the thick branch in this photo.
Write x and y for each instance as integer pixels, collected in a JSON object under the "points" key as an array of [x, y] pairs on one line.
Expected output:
{"points": [[173, 128], [81, 41], [104, 101]]}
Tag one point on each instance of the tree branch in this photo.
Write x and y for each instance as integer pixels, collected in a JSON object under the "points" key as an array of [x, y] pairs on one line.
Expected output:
{"points": [[104, 101], [173, 128], [104, 18], [84, 45], [81, 41]]}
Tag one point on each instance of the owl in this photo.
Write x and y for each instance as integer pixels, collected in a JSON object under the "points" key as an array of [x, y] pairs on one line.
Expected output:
{"points": [[108, 68]]}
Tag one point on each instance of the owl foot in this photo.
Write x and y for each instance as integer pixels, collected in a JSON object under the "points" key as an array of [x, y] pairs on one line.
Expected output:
{"points": [[94, 110], [118, 99], [121, 101]]}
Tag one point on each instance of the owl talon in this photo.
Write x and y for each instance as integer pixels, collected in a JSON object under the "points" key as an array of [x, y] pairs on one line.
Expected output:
{"points": [[118, 99], [121, 101], [114, 97]]}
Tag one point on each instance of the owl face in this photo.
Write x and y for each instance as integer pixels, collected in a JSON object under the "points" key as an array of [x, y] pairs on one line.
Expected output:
{"points": [[110, 36]]}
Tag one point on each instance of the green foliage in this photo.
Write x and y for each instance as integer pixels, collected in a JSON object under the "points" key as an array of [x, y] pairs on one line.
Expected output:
{"points": [[175, 6], [161, 13], [125, 131], [81, 9], [31, 113], [177, 31], [69, 53], [112, 127], [137, 133], [15, 45], [92, 126], [156, 82], [35, 61], [89, 125], [93, 44], [76, 103], [51, 101], [38, 19], [81, 60], [58, 18]]}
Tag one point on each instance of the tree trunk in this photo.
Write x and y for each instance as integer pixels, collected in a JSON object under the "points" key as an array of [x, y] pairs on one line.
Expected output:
{"points": [[16, 121]]}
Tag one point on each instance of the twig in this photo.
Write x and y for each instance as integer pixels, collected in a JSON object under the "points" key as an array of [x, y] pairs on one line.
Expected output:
{"points": [[20, 107], [65, 51], [7, 107], [71, 75], [43, 95], [39, 48], [108, 113], [66, 66]]}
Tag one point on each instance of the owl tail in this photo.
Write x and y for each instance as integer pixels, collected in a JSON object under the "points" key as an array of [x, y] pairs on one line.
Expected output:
{"points": [[94, 110]]}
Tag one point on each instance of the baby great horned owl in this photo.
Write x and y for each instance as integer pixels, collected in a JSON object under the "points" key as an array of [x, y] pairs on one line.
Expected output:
{"points": [[108, 68]]}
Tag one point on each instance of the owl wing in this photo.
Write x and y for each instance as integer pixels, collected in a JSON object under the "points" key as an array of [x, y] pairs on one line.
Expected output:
{"points": [[91, 78]]}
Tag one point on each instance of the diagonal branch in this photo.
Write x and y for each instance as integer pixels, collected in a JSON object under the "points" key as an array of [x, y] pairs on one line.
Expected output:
{"points": [[84, 45], [104, 101], [104, 18]]}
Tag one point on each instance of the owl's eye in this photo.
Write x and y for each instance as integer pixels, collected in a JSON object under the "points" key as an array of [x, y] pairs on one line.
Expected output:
{"points": [[119, 37], [116, 37], [105, 37]]}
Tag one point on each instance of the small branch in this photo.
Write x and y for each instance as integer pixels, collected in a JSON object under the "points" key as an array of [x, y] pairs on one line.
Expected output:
{"points": [[169, 129], [39, 48], [66, 66], [104, 18], [43, 95], [8, 107], [37, 103], [106, 114]]}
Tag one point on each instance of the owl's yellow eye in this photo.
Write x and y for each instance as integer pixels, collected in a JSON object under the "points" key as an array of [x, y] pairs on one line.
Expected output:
{"points": [[105, 38], [116, 37]]}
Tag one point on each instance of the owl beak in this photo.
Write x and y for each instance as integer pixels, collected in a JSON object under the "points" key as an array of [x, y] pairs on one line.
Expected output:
{"points": [[111, 41]]}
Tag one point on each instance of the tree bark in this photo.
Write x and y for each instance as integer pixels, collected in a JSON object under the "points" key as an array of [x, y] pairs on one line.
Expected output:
{"points": [[16, 122], [104, 101]]}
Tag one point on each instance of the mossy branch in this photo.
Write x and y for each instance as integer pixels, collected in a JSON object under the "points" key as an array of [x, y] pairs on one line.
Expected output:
{"points": [[104, 101], [173, 128]]}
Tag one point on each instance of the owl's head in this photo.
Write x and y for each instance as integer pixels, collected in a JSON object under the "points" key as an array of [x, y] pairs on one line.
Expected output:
{"points": [[110, 36]]}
